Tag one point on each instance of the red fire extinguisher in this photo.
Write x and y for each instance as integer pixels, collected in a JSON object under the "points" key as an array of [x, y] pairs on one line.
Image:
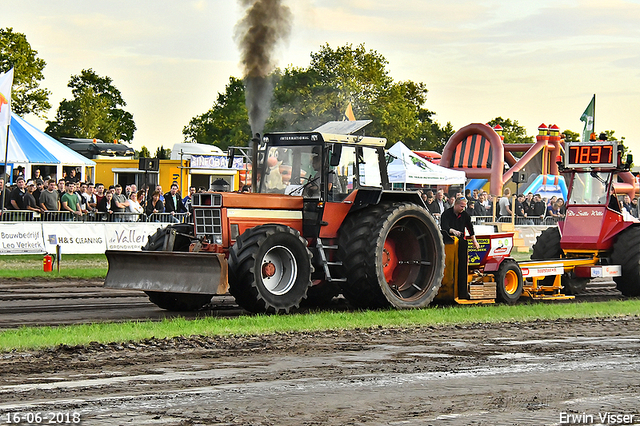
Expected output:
{"points": [[47, 263]]}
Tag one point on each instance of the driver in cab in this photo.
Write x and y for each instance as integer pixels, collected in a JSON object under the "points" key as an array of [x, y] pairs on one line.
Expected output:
{"points": [[315, 178]]}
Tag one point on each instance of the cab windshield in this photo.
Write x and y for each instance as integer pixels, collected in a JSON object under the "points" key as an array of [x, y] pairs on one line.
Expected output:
{"points": [[297, 170], [289, 168], [590, 188]]}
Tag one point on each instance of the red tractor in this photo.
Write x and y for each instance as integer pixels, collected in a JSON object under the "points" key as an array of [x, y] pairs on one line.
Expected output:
{"points": [[320, 222], [596, 238]]}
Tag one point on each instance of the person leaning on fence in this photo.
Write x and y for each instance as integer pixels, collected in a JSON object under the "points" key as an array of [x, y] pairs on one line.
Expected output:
{"points": [[479, 209], [521, 214], [154, 207], [119, 203], [538, 210], [49, 199], [99, 192], [159, 189], [62, 187], [69, 201], [528, 204], [105, 206], [17, 195], [29, 199], [6, 193], [142, 199], [504, 203], [173, 202], [81, 188], [133, 207], [39, 188], [188, 200], [90, 198]]}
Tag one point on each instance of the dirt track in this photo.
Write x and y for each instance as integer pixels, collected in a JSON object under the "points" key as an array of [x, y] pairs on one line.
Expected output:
{"points": [[506, 374]]}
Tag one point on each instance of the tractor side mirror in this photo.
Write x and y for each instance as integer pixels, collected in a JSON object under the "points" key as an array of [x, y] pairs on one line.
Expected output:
{"points": [[336, 153], [231, 156]]}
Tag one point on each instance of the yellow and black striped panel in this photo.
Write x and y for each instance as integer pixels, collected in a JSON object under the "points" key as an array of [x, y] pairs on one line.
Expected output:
{"points": [[473, 152]]}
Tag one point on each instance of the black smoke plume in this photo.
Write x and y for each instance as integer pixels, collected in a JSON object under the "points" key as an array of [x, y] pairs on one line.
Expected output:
{"points": [[267, 23]]}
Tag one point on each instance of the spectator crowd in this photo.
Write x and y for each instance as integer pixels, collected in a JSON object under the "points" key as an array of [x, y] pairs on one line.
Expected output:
{"points": [[70, 199], [529, 209]]}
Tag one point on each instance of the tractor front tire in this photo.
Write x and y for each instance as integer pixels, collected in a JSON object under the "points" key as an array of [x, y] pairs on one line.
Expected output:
{"points": [[161, 241], [270, 269], [626, 252], [392, 256], [547, 246], [509, 283]]}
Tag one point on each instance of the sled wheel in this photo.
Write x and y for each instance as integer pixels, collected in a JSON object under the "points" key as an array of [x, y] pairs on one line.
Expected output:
{"points": [[392, 256], [269, 269], [509, 282]]}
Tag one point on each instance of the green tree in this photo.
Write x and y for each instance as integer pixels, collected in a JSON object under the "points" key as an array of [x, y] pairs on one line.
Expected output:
{"points": [[162, 153], [26, 95], [433, 137], [308, 97], [143, 153], [93, 112], [512, 131], [570, 136], [226, 123], [305, 98]]}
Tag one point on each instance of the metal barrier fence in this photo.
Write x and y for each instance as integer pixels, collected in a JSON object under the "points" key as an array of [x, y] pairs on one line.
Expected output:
{"points": [[59, 216], [519, 220]]}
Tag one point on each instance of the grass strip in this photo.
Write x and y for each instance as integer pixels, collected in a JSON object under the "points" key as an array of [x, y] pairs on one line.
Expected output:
{"points": [[27, 338], [87, 266], [77, 273]]}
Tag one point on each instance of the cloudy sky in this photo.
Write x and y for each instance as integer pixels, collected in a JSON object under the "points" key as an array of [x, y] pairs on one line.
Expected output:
{"points": [[537, 61]]}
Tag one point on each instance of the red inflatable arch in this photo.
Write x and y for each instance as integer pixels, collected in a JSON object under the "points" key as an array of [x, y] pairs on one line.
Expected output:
{"points": [[477, 150]]}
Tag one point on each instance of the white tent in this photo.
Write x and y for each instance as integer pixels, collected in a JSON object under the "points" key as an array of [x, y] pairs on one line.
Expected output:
{"points": [[30, 146], [408, 167]]}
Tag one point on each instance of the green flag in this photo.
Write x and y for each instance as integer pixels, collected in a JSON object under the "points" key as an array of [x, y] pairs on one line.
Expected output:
{"points": [[589, 118]]}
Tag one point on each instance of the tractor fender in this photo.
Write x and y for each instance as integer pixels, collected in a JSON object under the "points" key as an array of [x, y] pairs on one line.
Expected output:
{"points": [[494, 263], [365, 197]]}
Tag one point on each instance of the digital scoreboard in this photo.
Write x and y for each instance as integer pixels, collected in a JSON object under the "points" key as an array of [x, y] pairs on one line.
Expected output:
{"points": [[591, 154]]}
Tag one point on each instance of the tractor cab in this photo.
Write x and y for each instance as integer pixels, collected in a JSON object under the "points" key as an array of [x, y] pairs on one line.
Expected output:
{"points": [[327, 164], [594, 216], [330, 168]]}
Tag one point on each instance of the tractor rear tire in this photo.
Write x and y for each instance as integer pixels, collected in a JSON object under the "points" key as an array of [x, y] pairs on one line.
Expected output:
{"points": [[547, 246], [270, 269], [509, 283], [626, 252], [392, 256], [178, 302]]}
